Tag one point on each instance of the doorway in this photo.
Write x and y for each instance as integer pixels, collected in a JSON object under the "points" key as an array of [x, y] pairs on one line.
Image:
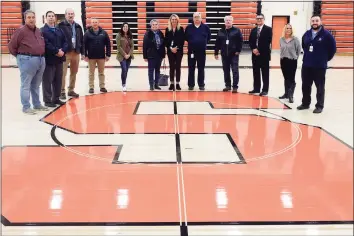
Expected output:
{"points": [[278, 23]]}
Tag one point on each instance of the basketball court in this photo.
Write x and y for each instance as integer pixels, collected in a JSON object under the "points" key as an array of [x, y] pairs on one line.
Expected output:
{"points": [[179, 163]]}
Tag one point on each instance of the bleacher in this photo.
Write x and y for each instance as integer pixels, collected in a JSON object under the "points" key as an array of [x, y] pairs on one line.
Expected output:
{"points": [[337, 16], [11, 19], [139, 14]]}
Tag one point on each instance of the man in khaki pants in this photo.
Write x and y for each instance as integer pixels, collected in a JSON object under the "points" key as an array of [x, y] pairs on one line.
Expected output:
{"points": [[74, 36], [97, 52]]}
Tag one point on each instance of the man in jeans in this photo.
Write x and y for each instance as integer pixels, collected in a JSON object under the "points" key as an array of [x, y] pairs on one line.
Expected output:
{"points": [[229, 40], [55, 49], [97, 52], [27, 45], [74, 36]]}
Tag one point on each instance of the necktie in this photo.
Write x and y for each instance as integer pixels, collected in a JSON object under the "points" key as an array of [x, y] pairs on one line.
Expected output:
{"points": [[258, 34]]}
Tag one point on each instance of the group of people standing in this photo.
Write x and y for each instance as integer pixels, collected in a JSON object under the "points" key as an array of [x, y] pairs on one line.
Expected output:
{"points": [[48, 51], [43, 56]]}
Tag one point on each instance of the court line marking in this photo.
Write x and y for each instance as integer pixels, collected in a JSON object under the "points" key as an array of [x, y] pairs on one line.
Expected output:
{"points": [[111, 105]]}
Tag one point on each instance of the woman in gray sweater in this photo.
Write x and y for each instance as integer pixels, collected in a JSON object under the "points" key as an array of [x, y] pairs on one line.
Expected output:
{"points": [[290, 49]]}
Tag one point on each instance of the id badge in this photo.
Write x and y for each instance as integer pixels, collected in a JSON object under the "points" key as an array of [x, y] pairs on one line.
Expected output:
{"points": [[311, 48], [227, 42], [192, 55], [172, 43]]}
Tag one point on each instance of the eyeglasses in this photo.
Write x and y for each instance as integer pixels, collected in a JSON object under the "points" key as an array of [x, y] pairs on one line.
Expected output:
{"points": [[259, 18]]}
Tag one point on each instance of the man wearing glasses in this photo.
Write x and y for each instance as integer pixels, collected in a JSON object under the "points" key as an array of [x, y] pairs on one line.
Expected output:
{"points": [[319, 47], [260, 43]]}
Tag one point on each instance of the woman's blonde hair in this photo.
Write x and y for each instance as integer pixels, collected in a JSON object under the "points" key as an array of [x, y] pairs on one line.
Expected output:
{"points": [[284, 30], [170, 23]]}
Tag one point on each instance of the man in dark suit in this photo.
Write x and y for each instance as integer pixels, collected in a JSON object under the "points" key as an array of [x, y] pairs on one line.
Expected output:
{"points": [[260, 43]]}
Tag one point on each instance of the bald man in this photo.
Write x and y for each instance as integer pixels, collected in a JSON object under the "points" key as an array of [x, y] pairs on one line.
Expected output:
{"points": [[97, 52], [74, 36]]}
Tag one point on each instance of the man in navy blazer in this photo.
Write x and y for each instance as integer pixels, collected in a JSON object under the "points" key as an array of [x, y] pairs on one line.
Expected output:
{"points": [[55, 48], [260, 42], [319, 47]]}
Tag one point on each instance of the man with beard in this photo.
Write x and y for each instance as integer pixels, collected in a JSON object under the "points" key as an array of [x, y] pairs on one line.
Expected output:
{"points": [[319, 47]]}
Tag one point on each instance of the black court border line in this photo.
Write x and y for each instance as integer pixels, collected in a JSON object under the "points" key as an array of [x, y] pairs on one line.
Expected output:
{"points": [[6, 222]]}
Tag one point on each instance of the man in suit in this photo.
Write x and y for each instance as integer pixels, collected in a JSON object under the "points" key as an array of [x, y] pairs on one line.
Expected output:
{"points": [[260, 43]]}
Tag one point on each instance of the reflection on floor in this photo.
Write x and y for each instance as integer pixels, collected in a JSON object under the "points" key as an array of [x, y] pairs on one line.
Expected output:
{"points": [[187, 163]]}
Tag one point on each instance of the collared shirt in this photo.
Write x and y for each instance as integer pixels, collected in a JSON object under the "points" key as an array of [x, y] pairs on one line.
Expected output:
{"points": [[315, 33], [73, 29], [27, 41]]}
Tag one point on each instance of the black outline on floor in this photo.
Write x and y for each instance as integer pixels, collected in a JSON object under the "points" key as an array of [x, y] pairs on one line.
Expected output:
{"points": [[183, 227]]}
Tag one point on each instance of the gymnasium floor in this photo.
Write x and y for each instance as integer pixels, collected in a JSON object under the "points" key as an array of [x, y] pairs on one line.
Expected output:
{"points": [[179, 163]]}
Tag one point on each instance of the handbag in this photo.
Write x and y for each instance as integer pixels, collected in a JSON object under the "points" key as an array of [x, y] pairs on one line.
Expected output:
{"points": [[163, 79]]}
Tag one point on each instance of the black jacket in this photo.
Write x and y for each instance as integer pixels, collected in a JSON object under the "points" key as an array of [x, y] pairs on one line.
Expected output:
{"points": [[97, 46], [66, 28], [53, 42], [177, 38], [150, 47], [264, 42], [235, 38]]}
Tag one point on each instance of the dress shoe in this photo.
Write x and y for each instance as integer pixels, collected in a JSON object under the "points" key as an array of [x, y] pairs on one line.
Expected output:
{"points": [[317, 110], [302, 107], [157, 87], [73, 94], [178, 87], [49, 104], [59, 102], [253, 91], [234, 90], [263, 94], [284, 96], [226, 89]]}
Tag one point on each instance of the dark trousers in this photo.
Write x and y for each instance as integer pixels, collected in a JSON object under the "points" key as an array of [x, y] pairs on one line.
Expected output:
{"points": [[288, 68], [125, 64], [154, 65], [175, 60], [199, 58], [260, 64], [310, 75], [227, 62], [52, 80]]}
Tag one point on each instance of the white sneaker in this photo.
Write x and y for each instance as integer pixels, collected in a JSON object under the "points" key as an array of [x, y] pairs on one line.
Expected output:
{"points": [[124, 89]]}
